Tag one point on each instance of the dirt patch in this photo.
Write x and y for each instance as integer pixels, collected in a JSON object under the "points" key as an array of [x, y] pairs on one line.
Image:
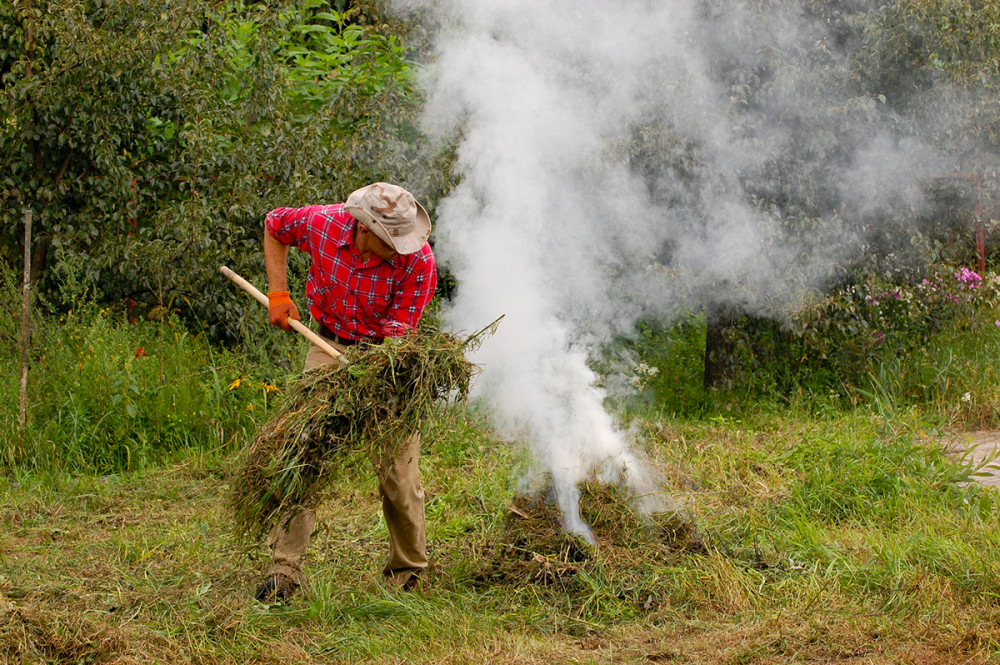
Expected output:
{"points": [[981, 448]]}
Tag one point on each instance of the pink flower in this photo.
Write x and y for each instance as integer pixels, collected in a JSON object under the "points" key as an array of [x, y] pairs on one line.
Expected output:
{"points": [[969, 278]]}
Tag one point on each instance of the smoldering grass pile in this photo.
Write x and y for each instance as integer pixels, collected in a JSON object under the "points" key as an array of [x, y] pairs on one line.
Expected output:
{"points": [[372, 404], [533, 547]]}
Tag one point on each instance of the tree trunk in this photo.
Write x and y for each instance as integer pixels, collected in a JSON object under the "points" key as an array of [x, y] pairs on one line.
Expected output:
{"points": [[718, 348], [39, 256]]}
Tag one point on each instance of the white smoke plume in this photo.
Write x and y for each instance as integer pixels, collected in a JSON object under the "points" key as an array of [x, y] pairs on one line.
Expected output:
{"points": [[557, 225]]}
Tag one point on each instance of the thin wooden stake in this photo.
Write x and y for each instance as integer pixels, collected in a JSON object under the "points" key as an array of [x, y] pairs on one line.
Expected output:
{"points": [[25, 325]]}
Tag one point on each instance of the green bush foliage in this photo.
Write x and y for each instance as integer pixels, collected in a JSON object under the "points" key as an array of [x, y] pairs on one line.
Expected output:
{"points": [[150, 138], [927, 340], [850, 329]]}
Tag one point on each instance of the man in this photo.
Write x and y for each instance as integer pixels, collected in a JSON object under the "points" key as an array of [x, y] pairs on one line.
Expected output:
{"points": [[372, 276]]}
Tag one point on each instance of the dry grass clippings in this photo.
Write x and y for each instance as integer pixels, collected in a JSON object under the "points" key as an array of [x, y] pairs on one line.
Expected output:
{"points": [[28, 632], [533, 547], [373, 404]]}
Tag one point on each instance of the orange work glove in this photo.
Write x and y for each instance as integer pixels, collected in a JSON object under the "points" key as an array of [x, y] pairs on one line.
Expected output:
{"points": [[280, 308]]}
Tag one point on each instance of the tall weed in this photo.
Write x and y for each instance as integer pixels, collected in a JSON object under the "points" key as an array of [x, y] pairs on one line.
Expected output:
{"points": [[106, 395]]}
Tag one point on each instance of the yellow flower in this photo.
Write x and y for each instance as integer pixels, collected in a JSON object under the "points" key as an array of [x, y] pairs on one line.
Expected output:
{"points": [[235, 384], [268, 388]]}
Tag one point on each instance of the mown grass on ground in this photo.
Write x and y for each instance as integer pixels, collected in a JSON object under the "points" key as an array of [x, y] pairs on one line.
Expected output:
{"points": [[843, 538], [834, 529]]}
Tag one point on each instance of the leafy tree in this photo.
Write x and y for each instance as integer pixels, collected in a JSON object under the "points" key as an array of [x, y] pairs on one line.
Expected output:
{"points": [[864, 75], [81, 84], [152, 137]]}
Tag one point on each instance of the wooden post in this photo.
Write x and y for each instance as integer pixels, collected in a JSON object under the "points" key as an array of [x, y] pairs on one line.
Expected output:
{"points": [[25, 325]]}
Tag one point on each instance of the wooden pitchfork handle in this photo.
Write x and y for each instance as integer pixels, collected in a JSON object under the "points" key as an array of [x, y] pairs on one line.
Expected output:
{"points": [[296, 325]]}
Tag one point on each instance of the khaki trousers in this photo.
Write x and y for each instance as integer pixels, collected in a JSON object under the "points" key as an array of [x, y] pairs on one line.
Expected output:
{"points": [[402, 504]]}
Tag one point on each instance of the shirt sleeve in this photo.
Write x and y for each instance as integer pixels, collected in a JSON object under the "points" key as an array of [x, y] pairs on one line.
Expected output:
{"points": [[413, 295], [291, 226]]}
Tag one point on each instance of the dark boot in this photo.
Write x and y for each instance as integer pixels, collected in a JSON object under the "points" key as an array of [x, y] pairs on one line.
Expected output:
{"points": [[416, 582], [277, 588]]}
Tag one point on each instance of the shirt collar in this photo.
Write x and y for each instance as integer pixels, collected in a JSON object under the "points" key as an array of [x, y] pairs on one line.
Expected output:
{"points": [[346, 239]]}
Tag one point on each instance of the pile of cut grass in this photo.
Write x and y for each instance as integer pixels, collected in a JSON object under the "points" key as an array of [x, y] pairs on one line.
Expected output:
{"points": [[372, 404], [533, 547]]}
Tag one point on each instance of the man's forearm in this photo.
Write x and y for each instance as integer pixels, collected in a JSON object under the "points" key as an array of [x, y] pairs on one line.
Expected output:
{"points": [[276, 263]]}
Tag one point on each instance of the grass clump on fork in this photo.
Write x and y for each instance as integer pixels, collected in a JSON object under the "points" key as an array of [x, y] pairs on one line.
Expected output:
{"points": [[372, 404]]}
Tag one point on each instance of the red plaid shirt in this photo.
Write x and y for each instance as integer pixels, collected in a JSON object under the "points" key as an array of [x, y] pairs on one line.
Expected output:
{"points": [[355, 299]]}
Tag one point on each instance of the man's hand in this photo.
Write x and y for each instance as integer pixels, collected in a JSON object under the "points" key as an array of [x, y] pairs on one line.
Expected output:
{"points": [[280, 308]]}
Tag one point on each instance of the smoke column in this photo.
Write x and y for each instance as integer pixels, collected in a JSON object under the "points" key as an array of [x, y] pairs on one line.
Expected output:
{"points": [[556, 225]]}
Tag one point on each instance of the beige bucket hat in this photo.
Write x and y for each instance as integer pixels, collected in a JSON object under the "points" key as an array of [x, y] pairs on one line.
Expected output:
{"points": [[392, 214]]}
